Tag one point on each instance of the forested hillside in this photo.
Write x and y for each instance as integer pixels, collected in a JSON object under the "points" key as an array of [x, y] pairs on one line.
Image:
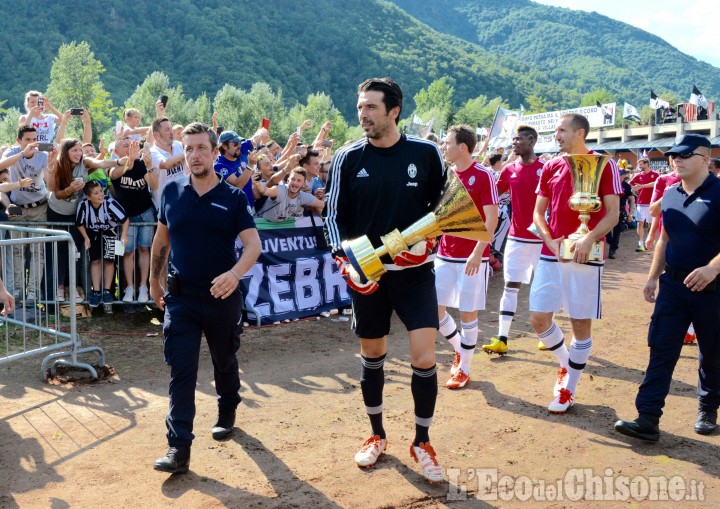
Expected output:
{"points": [[300, 46], [578, 50], [457, 60]]}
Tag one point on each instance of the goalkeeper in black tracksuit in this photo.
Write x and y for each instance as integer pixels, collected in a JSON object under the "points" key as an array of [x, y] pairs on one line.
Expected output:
{"points": [[382, 182]]}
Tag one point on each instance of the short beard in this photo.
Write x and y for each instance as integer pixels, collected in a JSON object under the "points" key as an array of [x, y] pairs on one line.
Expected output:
{"points": [[200, 174], [373, 135]]}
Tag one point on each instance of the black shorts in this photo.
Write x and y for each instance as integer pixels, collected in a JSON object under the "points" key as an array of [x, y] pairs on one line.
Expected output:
{"points": [[102, 245], [410, 292]]}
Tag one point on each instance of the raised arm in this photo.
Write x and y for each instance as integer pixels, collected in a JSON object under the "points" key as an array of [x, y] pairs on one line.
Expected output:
{"points": [[158, 263], [87, 126]]}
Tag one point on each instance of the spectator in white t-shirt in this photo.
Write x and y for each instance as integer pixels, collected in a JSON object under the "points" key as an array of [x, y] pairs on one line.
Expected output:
{"points": [[168, 157], [35, 106], [132, 128], [288, 200]]}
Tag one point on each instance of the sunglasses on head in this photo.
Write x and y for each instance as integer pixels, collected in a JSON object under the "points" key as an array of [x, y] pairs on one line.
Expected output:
{"points": [[684, 156]]}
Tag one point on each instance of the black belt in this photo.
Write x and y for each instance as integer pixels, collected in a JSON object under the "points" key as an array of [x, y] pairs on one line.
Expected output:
{"points": [[680, 275], [33, 205]]}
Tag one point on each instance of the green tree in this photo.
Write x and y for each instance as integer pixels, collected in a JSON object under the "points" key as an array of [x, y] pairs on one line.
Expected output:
{"points": [[537, 104], [149, 91], [599, 95], [479, 112], [319, 109], [202, 111], [9, 126], [436, 102], [233, 112], [472, 112], [75, 83]]}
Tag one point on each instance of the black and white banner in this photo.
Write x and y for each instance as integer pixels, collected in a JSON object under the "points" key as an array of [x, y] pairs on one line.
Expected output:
{"points": [[292, 278]]}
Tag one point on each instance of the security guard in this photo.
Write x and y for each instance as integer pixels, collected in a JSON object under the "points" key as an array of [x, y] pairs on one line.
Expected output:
{"points": [[686, 264], [199, 220]]}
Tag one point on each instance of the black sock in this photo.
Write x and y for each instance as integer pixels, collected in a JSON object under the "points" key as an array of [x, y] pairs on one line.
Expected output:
{"points": [[424, 390], [372, 381], [503, 339]]}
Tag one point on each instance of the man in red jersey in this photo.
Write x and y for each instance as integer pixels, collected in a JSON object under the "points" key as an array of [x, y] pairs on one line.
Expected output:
{"points": [[643, 184], [575, 285], [662, 183], [522, 250], [461, 268]]}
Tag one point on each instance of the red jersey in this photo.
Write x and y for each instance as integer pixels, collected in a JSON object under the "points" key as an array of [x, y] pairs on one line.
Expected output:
{"points": [[521, 180], [644, 195], [661, 185], [480, 183], [556, 185]]}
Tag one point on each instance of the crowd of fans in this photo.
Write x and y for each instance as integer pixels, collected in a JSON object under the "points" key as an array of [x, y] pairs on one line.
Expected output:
{"points": [[107, 197]]}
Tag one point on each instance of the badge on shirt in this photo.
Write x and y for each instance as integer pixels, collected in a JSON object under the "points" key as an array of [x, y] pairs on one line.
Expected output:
{"points": [[412, 171]]}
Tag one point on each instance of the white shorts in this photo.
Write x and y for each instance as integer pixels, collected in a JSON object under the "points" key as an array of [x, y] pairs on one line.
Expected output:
{"points": [[642, 213], [520, 260], [574, 287], [457, 290]]}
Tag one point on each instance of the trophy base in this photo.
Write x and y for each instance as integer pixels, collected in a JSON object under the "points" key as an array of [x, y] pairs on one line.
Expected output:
{"points": [[364, 259], [596, 253]]}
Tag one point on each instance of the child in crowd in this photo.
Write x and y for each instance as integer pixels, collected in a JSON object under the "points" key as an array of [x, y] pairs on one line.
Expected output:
{"points": [[97, 218]]}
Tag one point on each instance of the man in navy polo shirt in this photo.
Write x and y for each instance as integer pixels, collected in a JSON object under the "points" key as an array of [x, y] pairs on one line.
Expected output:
{"points": [[199, 219], [685, 266]]}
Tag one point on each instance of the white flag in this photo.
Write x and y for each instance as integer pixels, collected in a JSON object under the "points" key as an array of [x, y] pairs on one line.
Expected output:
{"points": [[631, 112], [697, 98], [657, 103]]}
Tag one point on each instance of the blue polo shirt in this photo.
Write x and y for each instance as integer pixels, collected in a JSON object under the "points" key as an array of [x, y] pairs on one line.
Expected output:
{"points": [[203, 230], [225, 167], [692, 224], [315, 184]]}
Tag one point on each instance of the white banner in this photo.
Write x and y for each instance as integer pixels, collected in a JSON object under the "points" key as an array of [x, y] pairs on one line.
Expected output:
{"points": [[598, 116], [545, 143]]}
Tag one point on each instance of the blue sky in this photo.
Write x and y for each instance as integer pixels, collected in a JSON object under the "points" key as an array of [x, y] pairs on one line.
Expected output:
{"points": [[690, 26]]}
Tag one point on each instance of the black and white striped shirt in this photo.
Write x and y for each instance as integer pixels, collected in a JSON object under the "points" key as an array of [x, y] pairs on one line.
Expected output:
{"points": [[105, 218]]}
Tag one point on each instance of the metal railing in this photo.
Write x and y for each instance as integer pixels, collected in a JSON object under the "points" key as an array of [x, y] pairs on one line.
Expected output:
{"points": [[36, 326], [82, 256]]}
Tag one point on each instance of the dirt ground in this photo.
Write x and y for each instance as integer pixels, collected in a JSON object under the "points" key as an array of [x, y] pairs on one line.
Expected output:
{"points": [[302, 419]]}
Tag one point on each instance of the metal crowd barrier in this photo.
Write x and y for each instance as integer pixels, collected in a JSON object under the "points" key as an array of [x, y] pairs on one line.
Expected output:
{"points": [[36, 325], [83, 278], [84, 281]]}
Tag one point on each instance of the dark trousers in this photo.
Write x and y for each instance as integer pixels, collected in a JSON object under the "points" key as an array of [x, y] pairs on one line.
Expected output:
{"points": [[63, 252], [613, 237], [676, 307], [187, 317]]}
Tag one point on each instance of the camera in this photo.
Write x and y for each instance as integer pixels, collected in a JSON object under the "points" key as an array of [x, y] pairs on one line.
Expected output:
{"points": [[76, 112], [41, 102], [45, 147], [14, 210], [164, 100]]}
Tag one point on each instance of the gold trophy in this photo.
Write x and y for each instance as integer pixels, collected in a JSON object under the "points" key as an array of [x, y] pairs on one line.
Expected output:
{"points": [[586, 170], [455, 214]]}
